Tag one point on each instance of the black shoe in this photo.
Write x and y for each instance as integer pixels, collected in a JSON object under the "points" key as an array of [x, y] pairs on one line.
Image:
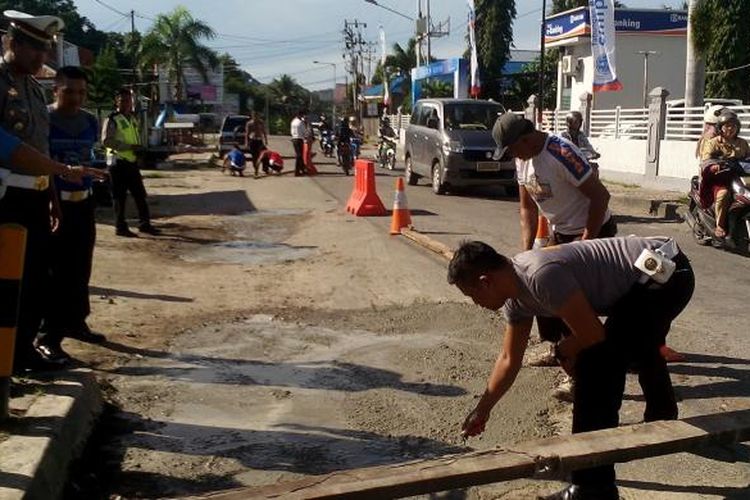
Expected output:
{"points": [[52, 354], [577, 492], [149, 229], [127, 233], [84, 334]]}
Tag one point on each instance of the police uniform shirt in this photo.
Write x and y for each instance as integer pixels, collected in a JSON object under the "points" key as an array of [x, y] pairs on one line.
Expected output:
{"points": [[71, 141], [602, 269], [23, 110]]}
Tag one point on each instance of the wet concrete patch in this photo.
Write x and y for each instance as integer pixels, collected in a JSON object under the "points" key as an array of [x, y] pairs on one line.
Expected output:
{"points": [[273, 396], [256, 238], [248, 252]]}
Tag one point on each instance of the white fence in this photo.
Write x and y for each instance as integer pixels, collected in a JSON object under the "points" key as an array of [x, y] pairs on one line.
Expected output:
{"points": [[686, 124], [619, 123]]}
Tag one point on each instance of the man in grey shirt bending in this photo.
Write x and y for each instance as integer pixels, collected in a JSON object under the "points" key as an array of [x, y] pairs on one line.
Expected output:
{"points": [[578, 282]]}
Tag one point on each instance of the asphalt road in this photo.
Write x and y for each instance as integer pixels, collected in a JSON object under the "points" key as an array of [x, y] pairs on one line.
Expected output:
{"points": [[712, 331]]}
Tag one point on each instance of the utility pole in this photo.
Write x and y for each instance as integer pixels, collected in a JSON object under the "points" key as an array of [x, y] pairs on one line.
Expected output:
{"points": [[419, 34], [133, 48], [645, 54], [695, 66], [429, 29], [542, 46], [354, 43]]}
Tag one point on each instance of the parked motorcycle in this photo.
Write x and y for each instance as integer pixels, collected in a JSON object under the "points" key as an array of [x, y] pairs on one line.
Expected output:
{"points": [[326, 143], [344, 153], [703, 220], [387, 152]]}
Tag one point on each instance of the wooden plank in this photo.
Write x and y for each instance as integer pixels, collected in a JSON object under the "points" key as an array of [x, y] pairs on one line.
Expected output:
{"points": [[549, 458], [430, 244]]}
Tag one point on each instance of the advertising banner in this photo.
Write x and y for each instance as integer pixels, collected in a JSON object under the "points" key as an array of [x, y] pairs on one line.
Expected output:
{"points": [[603, 45], [476, 85]]}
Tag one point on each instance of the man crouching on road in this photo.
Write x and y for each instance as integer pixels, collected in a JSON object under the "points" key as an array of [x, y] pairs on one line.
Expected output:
{"points": [[640, 284]]}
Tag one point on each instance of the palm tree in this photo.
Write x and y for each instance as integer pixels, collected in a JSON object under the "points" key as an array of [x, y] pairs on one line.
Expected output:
{"points": [[174, 43], [403, 60]]}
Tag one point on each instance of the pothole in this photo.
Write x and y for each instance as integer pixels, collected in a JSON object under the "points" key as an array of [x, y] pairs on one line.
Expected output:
{"points": [[247, 252], [251, 401]]}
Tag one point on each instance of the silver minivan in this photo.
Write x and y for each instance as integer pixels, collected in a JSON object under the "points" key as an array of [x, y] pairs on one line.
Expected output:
{"points": [[450, 142]]}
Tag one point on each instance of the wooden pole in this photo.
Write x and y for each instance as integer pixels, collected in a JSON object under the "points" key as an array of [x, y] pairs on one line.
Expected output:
{"points": [[551, 458]]}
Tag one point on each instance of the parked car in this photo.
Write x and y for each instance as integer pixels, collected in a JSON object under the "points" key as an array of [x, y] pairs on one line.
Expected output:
{"points": [[450, 142], [232, 130]]}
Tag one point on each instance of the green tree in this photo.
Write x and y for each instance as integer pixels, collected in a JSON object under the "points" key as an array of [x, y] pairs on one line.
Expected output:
{"points": [[105, 79], [174, 43], [286, 97], [436, 88], [721, 30], [494, 35]]}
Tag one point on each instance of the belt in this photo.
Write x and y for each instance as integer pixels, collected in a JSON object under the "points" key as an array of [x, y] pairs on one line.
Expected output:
{"points": [[33, 182], [75, 195]]}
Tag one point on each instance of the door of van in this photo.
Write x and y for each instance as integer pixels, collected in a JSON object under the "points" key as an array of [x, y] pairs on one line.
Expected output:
{"points": [[413, 135], [423, 153]]}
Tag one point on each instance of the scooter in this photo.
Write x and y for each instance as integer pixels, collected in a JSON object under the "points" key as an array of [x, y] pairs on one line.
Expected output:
{"points": [[703, 220], [326, 143], [344, 152], [387, 152]]}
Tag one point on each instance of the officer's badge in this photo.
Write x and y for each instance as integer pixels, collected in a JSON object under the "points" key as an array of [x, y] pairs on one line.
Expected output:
{"points": [[12, 92]]}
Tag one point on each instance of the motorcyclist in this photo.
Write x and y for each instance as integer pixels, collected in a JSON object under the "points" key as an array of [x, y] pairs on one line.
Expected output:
{"points": [[344, 136], [574, 121], [710, 118], [715, 180], [356, 136]]}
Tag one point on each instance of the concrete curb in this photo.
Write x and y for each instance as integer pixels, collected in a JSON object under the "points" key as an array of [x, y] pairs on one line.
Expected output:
{"points": [[34, 460]]}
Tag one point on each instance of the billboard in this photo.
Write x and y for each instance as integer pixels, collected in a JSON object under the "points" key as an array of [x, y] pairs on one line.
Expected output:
{"points": [[195, 87], [577, 22]]}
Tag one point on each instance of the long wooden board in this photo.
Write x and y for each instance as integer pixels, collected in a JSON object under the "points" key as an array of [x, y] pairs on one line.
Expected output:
{"points": [[430, 244], [545, 458]]}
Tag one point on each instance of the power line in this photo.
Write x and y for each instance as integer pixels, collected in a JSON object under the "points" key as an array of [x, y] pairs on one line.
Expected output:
{"points": [[737, 68], [100, 2]]}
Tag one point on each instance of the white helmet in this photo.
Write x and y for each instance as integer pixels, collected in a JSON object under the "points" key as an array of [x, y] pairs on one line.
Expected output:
{"points": [[712, 114]]}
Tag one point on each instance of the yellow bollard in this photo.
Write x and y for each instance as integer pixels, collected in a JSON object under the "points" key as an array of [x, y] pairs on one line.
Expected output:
{"points": [[12, 252]]}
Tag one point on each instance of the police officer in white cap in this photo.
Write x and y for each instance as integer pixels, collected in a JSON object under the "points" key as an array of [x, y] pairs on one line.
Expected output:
{"points": [[26, 201]]}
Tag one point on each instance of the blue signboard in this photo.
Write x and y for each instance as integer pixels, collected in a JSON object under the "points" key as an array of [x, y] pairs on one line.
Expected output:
{"points": [[577, 22]]}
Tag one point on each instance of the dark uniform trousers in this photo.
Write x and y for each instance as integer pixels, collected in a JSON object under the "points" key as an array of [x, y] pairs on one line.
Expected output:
{"points": [[71, 259], [126, 176], [635, 329], [30, 209], [299, 161]]}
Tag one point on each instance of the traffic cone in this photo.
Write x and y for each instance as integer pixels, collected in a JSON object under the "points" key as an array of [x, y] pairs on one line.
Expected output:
{"points": [[542, 232], [401, 216]]}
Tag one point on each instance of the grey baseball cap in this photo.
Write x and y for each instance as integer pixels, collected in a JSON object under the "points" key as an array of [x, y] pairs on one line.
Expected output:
{"points": [[508, 128]]}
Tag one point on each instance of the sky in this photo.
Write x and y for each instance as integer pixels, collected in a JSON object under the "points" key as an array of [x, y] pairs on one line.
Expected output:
{"points": [[270, 38]]}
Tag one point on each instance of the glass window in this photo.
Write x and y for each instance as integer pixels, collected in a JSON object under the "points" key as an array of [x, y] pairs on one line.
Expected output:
{"points": [[471, 116]]}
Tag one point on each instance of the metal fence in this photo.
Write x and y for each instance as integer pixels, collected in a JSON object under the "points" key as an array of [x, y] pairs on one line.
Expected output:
{"points": [[619, 123]]}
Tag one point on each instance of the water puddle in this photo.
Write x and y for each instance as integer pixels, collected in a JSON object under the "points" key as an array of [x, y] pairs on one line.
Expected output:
{"points": [[248, 252]]}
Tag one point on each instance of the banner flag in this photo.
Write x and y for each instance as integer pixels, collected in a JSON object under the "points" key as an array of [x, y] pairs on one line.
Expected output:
{"points": [[476, 85], [603, 45], [384, 54]]}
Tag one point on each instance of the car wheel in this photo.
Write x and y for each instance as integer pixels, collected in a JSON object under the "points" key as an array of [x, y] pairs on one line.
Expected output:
{"points": [[411, 178], [438, 187]]}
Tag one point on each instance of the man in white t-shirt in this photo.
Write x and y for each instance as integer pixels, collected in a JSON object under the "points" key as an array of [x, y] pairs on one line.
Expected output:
{"points": [[298, 137]]}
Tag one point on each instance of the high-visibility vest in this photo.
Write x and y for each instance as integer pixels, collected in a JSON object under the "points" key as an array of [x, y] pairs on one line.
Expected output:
{"points": [[126, 130]]}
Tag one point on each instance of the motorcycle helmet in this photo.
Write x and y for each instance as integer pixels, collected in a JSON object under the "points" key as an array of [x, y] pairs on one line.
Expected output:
{"points": [[726, 117], [573, 117], [712, 114]]}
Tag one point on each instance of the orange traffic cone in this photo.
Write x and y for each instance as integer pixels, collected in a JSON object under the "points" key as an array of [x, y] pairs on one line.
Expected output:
{"points": [[401, 216], [542, 232]]}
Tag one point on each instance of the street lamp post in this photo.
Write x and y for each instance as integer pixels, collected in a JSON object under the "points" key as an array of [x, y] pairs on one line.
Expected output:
{"points": [[333, 95]]}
